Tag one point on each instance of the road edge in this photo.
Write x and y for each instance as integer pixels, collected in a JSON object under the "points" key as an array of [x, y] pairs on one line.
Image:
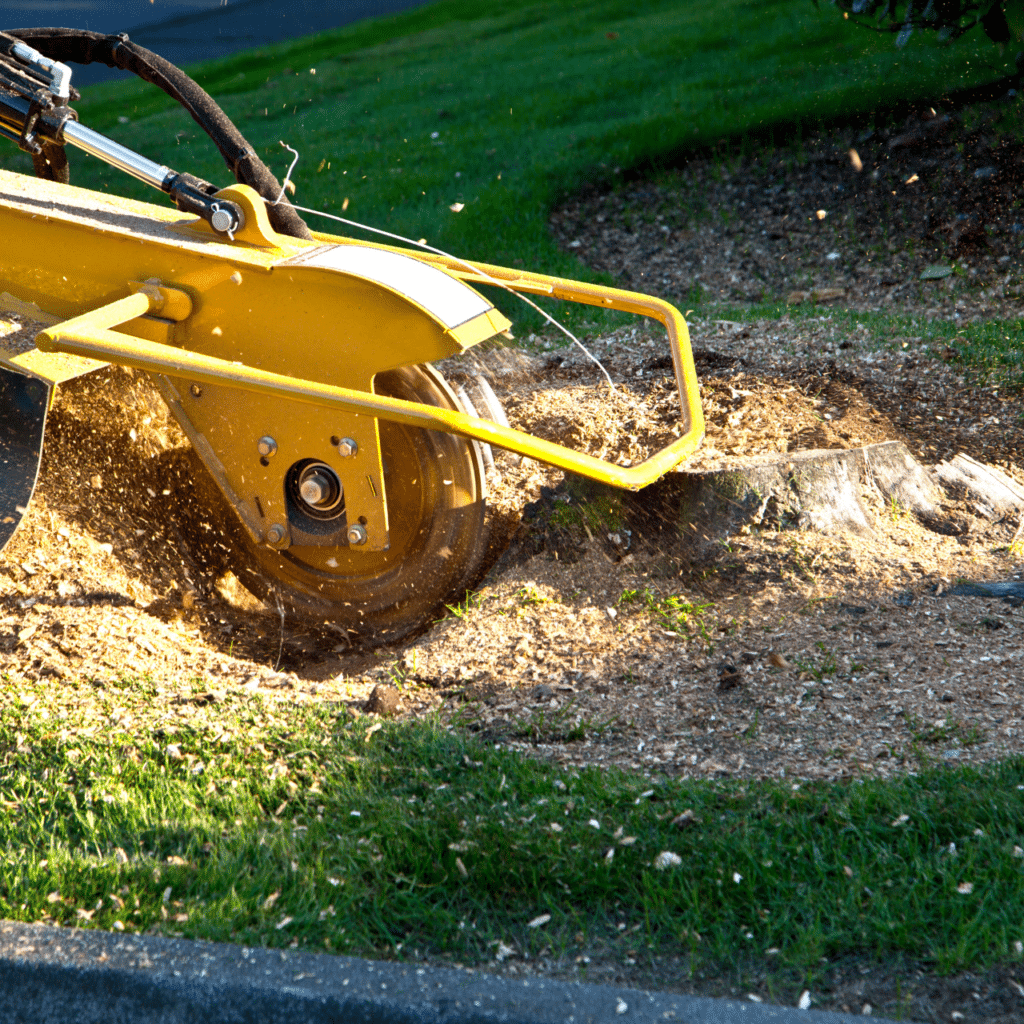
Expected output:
{"points": [[52, 974]]}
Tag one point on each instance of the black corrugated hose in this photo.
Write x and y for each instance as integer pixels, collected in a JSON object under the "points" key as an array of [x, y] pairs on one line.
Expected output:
{"points": [[72, 45]]}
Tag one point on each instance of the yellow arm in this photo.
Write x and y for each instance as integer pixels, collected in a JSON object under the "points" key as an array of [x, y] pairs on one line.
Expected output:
{"points": [[90, 335]]}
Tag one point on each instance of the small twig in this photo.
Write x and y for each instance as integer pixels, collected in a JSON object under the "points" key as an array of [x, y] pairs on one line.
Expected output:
{"points": [[280, 647]]}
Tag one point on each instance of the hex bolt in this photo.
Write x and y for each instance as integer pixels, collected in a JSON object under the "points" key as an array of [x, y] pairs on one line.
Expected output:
{"points": [[356, 534], [347, 447], [266, 446], [315, 489], [275, 534]]}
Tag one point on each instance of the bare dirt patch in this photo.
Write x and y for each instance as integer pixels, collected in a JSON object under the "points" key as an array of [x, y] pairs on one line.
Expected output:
{"points": [[854, 215]]}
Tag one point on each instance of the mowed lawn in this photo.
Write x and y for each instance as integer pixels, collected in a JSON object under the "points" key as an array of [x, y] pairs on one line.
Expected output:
{"points": [[507, 108]]}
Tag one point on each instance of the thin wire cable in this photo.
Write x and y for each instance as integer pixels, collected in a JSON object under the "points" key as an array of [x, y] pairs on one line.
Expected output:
{"points": [[440, 252], [288, 176]]}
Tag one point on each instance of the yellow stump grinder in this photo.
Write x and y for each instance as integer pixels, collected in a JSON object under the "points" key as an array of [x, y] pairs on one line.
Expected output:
{"points": [[297, 363]]}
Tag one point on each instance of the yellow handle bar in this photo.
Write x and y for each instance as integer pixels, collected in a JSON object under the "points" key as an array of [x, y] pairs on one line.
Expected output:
{"points": [[90, 335]]}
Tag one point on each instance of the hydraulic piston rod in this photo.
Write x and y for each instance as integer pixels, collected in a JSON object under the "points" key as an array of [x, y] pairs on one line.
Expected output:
{"points": [[124, 159], [60, 127]]}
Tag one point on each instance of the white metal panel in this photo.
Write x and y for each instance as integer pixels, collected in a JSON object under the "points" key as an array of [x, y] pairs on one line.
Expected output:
{"points": [[444, 296]]}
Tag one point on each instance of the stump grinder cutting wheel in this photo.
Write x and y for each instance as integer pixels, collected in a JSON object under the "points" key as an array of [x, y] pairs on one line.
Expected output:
{"points": [[296, 362]]}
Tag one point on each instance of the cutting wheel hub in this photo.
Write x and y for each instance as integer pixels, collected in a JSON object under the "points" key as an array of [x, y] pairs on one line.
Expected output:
{"points": [[437, 533], [319, 489]]}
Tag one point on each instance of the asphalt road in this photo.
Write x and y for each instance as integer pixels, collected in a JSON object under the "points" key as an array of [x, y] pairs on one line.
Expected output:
{"points": [[55, 975], [187, 31]]}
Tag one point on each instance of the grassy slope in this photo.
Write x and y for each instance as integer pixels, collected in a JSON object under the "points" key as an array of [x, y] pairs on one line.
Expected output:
{"points": [[415, 838], [529, 103]]}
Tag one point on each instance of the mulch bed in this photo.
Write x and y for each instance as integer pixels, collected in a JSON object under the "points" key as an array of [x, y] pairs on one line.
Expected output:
{"points": [[856, 215]]}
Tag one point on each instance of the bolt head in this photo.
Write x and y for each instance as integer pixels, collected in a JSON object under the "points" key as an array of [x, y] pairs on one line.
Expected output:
{"points": [[222, 220], [314, 490], [275, 534], [266, 446], [347, 447], [357, 534]]}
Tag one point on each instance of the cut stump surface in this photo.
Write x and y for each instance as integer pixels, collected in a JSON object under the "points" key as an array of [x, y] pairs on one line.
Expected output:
{"points": [[826, 490]]}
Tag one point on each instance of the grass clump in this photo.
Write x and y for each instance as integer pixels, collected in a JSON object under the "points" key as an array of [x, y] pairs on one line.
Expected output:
{"points": [[592, 508], [818, 667], [675, 612], [567, 723], [945, 731], [303, 826]]}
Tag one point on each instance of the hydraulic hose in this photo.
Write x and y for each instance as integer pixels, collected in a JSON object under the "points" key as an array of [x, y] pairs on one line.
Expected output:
{"points": [[117, 51]]}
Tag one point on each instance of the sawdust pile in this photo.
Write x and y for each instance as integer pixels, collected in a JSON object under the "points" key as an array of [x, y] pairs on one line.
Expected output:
{"points": [[604, 651]]}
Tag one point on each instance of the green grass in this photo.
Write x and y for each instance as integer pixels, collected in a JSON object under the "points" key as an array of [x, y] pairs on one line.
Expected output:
{"points": [[528, 103], [820, 666], [274, 825], [989, 350], [674, 612]]}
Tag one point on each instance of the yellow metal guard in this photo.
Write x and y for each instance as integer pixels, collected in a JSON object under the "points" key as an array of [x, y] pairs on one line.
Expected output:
{"points": [[90, 335]]}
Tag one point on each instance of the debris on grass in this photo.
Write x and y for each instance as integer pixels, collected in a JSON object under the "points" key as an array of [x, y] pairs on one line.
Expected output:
{"points": [[667, 859]]}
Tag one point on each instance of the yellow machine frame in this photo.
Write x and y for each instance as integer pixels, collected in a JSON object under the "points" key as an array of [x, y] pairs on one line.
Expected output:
{"points": [[190, 302]]}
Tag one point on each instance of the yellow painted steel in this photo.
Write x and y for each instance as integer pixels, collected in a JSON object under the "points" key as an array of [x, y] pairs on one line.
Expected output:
{"points": [[585, 293], [88, 335], [69, 251], [19, 353], [272, 343]]}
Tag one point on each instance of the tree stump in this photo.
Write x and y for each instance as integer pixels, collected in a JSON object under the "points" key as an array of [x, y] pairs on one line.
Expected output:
{"points": [[989, 491], [820, 489], [692, 512]]}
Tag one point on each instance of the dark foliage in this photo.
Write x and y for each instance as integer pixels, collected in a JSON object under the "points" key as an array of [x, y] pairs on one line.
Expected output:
{"points": [[1001, 20]]}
